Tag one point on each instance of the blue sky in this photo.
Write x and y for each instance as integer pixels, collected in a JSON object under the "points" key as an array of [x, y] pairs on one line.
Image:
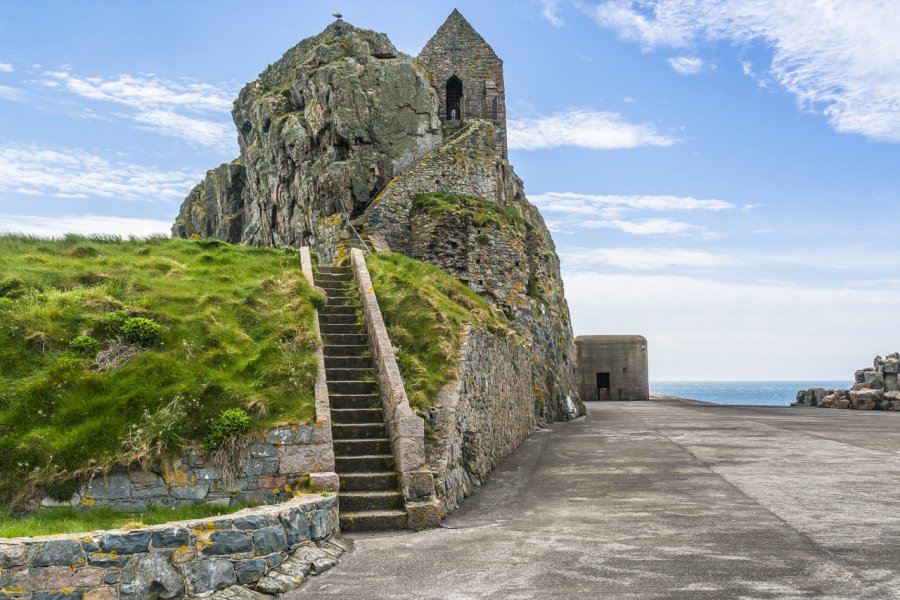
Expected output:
{"points": [[720, 177]]}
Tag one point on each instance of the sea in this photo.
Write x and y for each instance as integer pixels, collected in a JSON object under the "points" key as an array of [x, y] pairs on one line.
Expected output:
{"points": [[761, 393]]}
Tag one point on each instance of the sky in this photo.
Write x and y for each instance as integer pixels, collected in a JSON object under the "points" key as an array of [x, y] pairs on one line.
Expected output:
{"points": [[720, 177]]}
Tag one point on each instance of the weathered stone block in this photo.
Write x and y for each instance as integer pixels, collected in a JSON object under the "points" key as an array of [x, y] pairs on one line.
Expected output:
{"points": [[13, 555], [259, 466], [423, 515], [58, 553], [321, 524], [126, 543], [171, 537], [150, 576], [272, 482], [190, 492], [229, 542], [250, 571], [254, 522], [297, 525], [208, 473], [262, 451], [113, 487], [328, 481], [209, 575], [269, 540]]}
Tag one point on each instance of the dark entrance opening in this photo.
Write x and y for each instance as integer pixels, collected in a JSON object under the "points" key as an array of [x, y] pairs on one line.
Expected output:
{"points": [[602, 386], [454, 99]]}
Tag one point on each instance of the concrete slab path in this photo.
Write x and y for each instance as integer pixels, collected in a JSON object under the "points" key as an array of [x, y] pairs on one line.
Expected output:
{"points": [[661, 499]]}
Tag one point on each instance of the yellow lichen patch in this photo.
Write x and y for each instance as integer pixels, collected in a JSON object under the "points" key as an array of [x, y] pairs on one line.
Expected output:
{"points": [[86, 500]]}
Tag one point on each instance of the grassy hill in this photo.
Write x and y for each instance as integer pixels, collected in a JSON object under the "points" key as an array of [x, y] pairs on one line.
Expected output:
{"points": [[119, 352]]}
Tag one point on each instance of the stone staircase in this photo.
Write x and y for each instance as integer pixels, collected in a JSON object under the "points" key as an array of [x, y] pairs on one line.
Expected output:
{"points": [[369, 496]]}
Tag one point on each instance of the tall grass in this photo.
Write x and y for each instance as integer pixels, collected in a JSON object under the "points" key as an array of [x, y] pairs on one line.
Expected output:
{"points": [[236, 332], [425, 310]]}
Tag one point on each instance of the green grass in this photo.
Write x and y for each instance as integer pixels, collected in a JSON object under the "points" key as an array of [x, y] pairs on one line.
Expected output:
{"points": [[236, 333], [481, 212], [425, 310], [51, 521]]}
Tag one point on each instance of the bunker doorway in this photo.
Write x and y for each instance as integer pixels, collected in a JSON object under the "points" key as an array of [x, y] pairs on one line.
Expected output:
{"points": [[454, 99], [603, 386]]}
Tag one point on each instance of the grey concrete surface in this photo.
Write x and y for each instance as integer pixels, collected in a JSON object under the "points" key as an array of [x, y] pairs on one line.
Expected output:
{"points": [[662, 499]]}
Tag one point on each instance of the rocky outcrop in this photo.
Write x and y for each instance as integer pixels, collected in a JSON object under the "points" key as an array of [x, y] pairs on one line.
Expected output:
{"points": [[482, 229], [875, 388], [215, 208], [346, 129], [320, 132]]}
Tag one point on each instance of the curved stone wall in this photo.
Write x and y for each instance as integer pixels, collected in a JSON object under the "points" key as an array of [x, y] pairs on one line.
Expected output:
{"points": [[248, 554]]}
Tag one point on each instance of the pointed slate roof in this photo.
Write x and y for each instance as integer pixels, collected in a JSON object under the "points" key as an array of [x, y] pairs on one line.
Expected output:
{"points": [[456, 29]]}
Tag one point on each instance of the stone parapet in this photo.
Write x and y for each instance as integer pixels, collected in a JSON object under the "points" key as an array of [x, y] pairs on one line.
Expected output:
{"points": [[405, 428], [324, 478], [269, 550]]}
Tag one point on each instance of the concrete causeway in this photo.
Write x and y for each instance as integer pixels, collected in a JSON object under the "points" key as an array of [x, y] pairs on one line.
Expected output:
{"points": [[661, 499]]}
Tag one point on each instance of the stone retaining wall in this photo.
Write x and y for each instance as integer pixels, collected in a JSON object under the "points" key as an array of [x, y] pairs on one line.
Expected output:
{"points": [[269, 549], [480, 417], [269, 470]]}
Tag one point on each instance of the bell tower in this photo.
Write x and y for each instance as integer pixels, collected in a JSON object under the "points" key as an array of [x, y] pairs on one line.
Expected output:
{"points": [[467, 75]]}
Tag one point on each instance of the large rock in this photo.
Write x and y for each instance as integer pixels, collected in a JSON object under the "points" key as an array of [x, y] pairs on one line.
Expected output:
{"points": [[150, 577], [320, 132]]}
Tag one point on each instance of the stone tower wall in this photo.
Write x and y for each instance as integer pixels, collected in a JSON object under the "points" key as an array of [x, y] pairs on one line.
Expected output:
{"points": [[457, 49]]}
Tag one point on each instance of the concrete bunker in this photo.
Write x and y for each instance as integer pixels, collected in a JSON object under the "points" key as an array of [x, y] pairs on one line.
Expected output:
{"points": [[612, 367]]}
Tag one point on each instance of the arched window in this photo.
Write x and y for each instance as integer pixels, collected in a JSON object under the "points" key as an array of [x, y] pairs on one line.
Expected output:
{"points": [[454, 98], [495, 109]]}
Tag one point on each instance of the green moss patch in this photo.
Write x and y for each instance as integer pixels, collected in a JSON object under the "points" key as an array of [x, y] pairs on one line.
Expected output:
{"points": [[480, 212], [184, 331], [425, 310], [52, 521]]}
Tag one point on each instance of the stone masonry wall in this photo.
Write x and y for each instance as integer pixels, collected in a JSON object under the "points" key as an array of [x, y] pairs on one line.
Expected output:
{"points": [[875, 388], [269, 470], [270, 550], [479, 417]]}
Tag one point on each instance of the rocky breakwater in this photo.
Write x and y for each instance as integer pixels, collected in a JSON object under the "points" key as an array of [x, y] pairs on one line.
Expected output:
{"points": [[320, 131], [875, 388]]}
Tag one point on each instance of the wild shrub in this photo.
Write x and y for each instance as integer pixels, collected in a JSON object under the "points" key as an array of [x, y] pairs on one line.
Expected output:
{"points": [[230, 424], [140, 330], [84, 345]]}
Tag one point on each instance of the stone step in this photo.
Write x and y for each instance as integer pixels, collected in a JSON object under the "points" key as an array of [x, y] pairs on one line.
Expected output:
{"points": [[342, 301], [364, 463], [354, 350], [348, 362], [373, 520], [350, 374], [339, 319], [356, 416], [335, 269], [352, 387], [387, 481], [329, 329], [345, 339], [338, 277], [354, 400], [338, 310], [369, 500], [356, 431], [364, 447], [336, 290]]}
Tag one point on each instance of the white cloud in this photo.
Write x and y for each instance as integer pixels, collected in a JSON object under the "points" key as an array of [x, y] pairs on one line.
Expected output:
{"points": [[838, 57], [702, 328], [6, 68], [595, 205], [580, 260], [83, 224], [73, 173], [653, 227], [13, 94], [687, 65], [195, 112], [550, 11], [583, 128]]}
